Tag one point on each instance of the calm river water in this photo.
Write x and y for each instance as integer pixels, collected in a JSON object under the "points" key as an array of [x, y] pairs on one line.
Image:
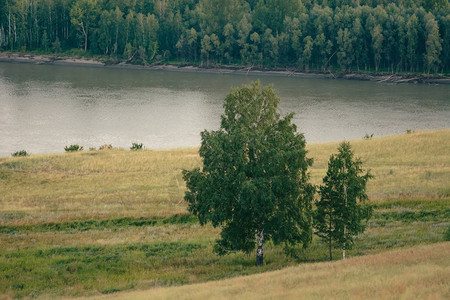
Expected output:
{"points": [[44, 108]]}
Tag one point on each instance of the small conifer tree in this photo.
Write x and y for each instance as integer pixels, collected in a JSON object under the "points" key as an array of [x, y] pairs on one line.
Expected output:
{"points": [[340, 211]]}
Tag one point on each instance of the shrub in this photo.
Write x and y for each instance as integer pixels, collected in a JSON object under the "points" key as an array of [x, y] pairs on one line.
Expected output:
{"points": [[447, 234], [105, 147], [136, 146], [73, 148], [20, 153]]}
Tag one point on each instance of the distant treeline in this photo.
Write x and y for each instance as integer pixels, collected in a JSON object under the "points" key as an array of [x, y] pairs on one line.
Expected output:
{"points": [[395, 36]]}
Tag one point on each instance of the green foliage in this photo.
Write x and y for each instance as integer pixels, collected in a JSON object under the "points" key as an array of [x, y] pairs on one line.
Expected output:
{"points": [[340, 211], [113, 224], [447, 234], [44, 41], [307, 35], [56, 45], [136, 146], [73, 148], [67, 270], [83, 14], [254, 181], [433, 43], [20, 153], [52, 269]]}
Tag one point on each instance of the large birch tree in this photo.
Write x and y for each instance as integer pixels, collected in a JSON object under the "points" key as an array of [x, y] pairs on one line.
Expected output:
{"points": [[254, 181]]}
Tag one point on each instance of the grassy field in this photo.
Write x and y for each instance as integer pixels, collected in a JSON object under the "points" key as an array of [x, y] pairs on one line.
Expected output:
{"points": [[421, 273], [97, 222]]}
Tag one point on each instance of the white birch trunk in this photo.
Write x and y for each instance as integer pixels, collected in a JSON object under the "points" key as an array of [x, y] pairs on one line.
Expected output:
{"points": [[345, 225], [259, 249]]}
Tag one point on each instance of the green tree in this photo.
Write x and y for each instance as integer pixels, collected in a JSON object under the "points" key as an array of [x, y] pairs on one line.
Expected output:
{"points": [[307, 51], [104, 34], [83, 15], [214, 15], [377, 44], [45, 41], [229, 42], [412, 40], [244, 27], [206, 48], [345, 53], [129, 52], [270, 48], [433, 43], [292, 38], [56, 45], [216, 47], [255, 52], [254, 180], [432, 4], [357, 32], [151, 27], [117, 23], [340, 211], [272, 13]]}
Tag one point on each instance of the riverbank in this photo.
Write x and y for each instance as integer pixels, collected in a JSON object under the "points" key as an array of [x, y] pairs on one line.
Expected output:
{"points": [[42, 59]]}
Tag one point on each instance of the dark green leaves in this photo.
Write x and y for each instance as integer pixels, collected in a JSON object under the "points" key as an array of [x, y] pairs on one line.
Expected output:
{"points": [[254, 176], [340, 210]]}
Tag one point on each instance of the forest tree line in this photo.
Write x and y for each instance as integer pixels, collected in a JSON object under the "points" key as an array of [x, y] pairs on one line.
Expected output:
{"points": [[351, 35]]}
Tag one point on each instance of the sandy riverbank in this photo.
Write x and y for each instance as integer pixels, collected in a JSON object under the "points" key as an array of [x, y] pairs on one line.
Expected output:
{"points": [[41, 59]]}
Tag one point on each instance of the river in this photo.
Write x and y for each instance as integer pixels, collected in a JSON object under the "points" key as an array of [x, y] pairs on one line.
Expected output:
{"points": [[44, 108]]}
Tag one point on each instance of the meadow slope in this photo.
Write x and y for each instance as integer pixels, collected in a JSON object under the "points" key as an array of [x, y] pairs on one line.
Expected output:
{"points": [[99, 222], [420, 272]]}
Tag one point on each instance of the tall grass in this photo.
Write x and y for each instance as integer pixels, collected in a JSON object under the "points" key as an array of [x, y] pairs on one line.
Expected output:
{"points": [[420, 272], [96, 222], [118, 183], [94, 184]]}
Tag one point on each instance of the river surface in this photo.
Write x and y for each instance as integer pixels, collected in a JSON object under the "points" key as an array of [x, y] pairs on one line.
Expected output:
{"points": [[44, 108]]}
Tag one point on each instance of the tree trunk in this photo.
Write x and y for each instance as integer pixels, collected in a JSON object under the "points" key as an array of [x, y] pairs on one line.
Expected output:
{"points": [[330, 240], [345, 225], [85, 41], [259, 249]]}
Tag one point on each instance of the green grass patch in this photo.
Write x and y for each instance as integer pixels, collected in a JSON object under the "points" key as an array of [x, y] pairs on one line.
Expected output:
{"points": [[98, 224], [34, 271], [93, 269]]}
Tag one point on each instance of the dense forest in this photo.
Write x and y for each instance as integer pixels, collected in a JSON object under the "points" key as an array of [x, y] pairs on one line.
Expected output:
{"points": [[349, 35]]}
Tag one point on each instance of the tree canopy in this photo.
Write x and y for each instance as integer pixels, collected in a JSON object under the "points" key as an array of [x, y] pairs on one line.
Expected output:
{"points": [[254, 180], [341, 211], [349, 35]]}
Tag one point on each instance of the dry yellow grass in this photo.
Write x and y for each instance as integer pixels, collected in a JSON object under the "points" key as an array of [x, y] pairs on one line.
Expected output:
{"points": [[118, 183], [415, 165], [75, 190], [422, 272], [94, 184]]}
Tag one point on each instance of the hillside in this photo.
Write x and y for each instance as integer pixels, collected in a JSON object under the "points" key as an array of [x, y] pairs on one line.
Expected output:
{"points": [[97, 222], [420, 272]]}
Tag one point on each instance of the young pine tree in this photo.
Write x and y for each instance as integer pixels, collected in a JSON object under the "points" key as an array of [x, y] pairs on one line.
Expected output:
{"points": [[340, 211]]}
